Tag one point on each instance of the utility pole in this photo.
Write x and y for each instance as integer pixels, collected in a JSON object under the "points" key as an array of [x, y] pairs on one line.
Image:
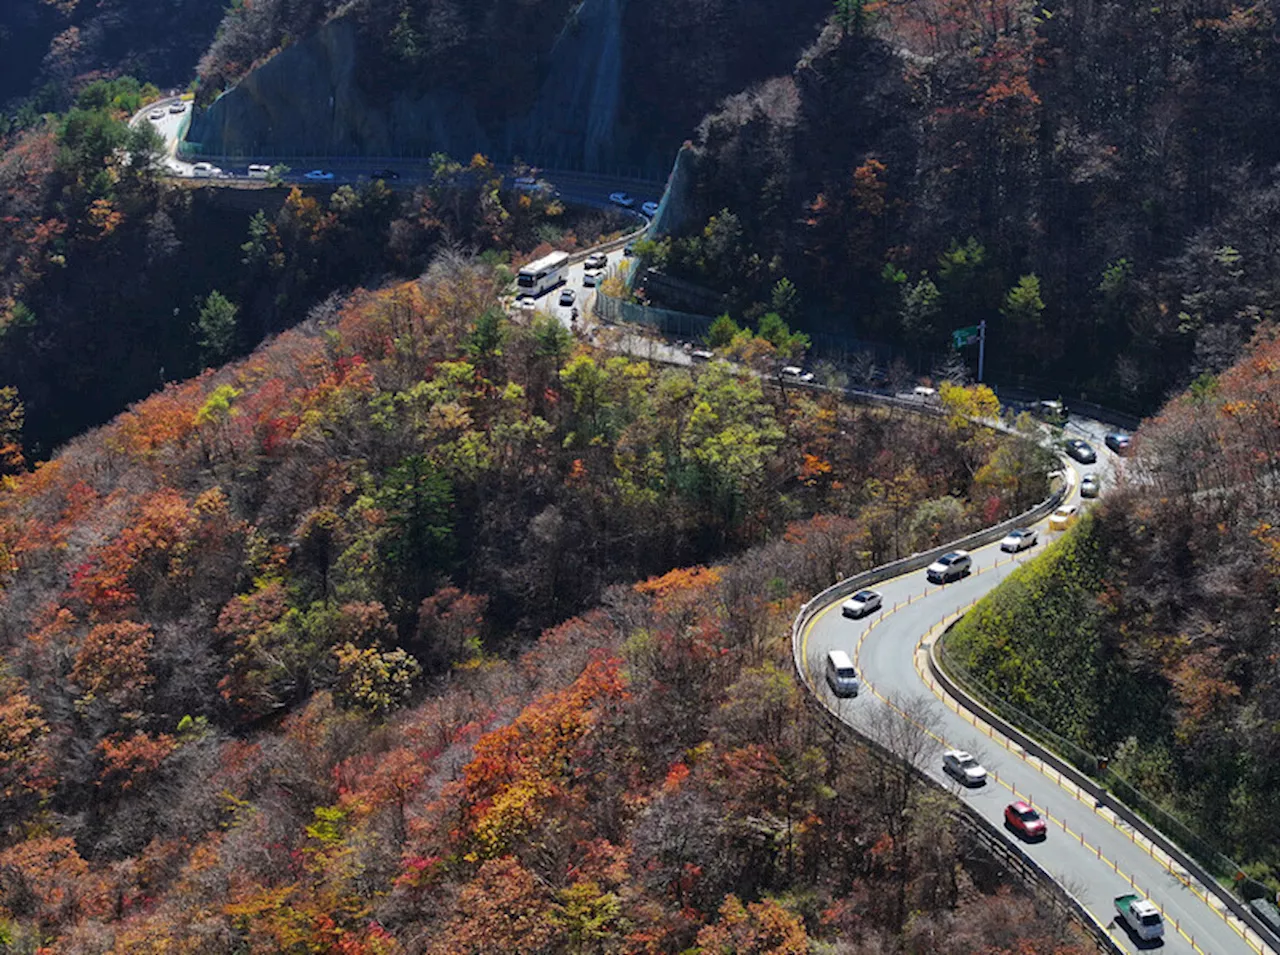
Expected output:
{"points": [[982, 346]]}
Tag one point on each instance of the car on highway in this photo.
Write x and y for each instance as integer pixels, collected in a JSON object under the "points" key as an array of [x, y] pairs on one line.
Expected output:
{"points": [[841, 676], [384, 174], [650, 209], [155, 115], [1019, 817], [568, 296], [924, 393], [178, 107], [1064, 517], [950, 566], [318, 175], [596, 260], [526, 303], [1090, 485], [1140, 916], [207, 170], [964, 768], [1117, 442], [862, 603], [1019, 540], [622, 199], [1082, 451], [702, 354], [1054, 412], [592, 277], [796, 373]]}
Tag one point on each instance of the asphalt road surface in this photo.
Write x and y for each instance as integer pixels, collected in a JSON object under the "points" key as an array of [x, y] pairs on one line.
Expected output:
{"points": [[1086, 850]]}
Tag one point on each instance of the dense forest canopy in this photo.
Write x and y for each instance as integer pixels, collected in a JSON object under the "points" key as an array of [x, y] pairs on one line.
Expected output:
{"points": [[1149, 636], [253, 633], [108, 270], [52, 48], [1095, 180]]}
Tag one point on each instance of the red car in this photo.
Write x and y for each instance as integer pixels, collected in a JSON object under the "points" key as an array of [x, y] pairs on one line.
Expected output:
{"points": [[1024, 820]]}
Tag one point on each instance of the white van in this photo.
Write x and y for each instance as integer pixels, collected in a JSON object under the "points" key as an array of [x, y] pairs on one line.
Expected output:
{"points": [[258, 171], [840, 674]]}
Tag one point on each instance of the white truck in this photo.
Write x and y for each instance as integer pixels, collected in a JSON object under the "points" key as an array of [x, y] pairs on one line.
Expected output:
{"points": [[1142, 917]]}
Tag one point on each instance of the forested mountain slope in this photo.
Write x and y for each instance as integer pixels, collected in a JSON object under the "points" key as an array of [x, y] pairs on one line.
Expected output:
{"points": [[107, 269], [50, 50], [1149, 634], [1095, 179], [252, 695]]}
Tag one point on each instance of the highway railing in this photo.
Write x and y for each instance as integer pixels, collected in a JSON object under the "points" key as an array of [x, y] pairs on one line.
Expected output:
{"points": [[1200, 861], [1034, 877]]}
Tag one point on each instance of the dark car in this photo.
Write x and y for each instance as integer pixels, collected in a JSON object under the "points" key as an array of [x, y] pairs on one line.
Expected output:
{"points": [[1117, 442], [385, 174], [1081, 451], [1024, 820]]}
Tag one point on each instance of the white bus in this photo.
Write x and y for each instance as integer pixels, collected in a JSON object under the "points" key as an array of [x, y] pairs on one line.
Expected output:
{"points": [[543, 275]]}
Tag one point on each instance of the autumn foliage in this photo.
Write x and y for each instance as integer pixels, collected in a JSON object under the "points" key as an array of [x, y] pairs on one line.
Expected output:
{"points": [[1149, 638], [273, 674]]}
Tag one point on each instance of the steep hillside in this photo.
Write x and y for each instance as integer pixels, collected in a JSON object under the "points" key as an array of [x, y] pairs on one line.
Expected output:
{"points": [[52, 49], [1094, 180], [252, 695], [1149, 635], [599, 85], [107, 270]]}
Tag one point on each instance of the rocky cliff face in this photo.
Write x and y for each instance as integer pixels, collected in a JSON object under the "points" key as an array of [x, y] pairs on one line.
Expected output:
{"points": [[308, 100], [593, 108]]}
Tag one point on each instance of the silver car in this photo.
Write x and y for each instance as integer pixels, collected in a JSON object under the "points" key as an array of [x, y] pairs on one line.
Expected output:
{"points": [[1090, 486], [949, 567], [862, 603], [961, 766]]}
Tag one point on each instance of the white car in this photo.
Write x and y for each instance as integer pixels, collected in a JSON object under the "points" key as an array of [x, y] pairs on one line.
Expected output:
{"points": [[568, 296], [862, 603], [592, 277], [702, 354], [1018, 540], [318, 174], [156, 115], [650, 209], [596, 260], [924, 393], [204, 170], [797, 373], [1064, 517], [526, 304], [963, 767], [178, 107], [621, 199]]}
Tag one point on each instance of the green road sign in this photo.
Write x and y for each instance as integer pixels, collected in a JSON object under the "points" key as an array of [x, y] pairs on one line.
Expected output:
{"points": [[965, 336]]}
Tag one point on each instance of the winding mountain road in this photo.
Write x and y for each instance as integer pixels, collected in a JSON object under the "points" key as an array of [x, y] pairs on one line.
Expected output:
{"points": [[1088, 851], [1091, 853]]}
